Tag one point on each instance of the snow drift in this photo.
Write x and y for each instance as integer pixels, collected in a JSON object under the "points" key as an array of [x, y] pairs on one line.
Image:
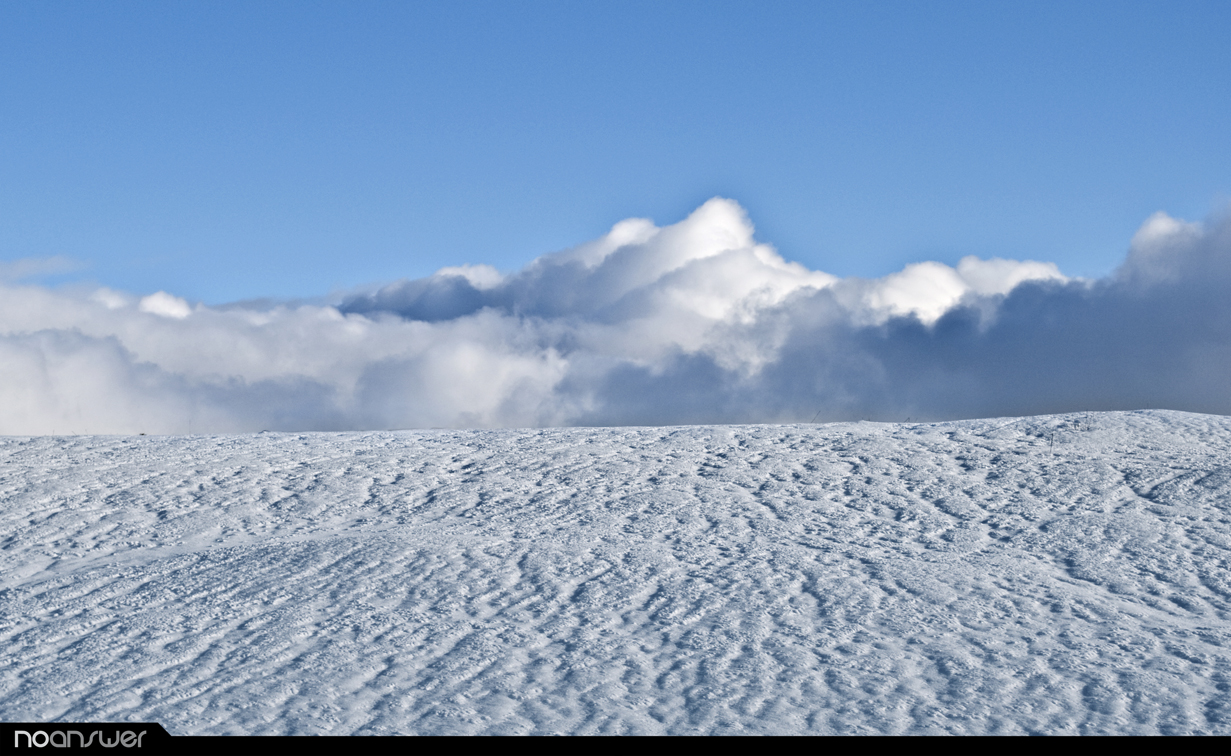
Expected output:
{"points": [[1050, 575]]}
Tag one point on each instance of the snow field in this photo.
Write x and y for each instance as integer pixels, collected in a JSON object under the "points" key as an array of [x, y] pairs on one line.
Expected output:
{"points": [[1061, 574]]}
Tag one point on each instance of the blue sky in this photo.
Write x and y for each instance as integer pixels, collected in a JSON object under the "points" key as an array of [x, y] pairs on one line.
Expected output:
{"points": [[237, 216], [225, 151]]}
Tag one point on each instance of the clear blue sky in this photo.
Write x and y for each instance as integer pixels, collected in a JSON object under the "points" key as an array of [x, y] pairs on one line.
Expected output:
{"points": [[224, 151]]}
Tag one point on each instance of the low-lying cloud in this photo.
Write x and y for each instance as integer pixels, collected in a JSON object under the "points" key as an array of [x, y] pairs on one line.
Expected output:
{"points": [[695, 322]]}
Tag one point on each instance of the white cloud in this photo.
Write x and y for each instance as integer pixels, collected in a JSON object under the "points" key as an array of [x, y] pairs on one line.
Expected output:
{"points": [[693, 322], [166, 305], [32, 267], [1158, 247], [998, 276], [481, 277], [112, 300]]}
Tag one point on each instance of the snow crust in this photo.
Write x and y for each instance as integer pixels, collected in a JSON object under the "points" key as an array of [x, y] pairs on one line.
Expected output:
{"points": [[1060, 574]]}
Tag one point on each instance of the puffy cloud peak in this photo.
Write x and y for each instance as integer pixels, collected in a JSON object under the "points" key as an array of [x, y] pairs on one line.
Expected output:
{"points": [[164, 304]]}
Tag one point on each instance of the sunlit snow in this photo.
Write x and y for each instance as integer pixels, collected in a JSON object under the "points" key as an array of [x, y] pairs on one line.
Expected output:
{"points": [[1059, 574]]}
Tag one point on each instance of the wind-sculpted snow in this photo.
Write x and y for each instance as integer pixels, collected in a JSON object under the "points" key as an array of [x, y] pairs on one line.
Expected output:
{"points": [[1063, 574]]}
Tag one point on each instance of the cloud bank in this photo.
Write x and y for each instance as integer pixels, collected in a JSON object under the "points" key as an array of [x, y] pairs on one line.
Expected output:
{"points": [[696, 322]]}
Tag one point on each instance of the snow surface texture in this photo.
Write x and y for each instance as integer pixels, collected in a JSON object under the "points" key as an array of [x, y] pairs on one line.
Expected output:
{"points": [[1063, 574]]}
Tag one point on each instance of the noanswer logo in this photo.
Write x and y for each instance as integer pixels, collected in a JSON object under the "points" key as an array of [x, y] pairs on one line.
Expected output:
{"points": [[35, 736]]}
